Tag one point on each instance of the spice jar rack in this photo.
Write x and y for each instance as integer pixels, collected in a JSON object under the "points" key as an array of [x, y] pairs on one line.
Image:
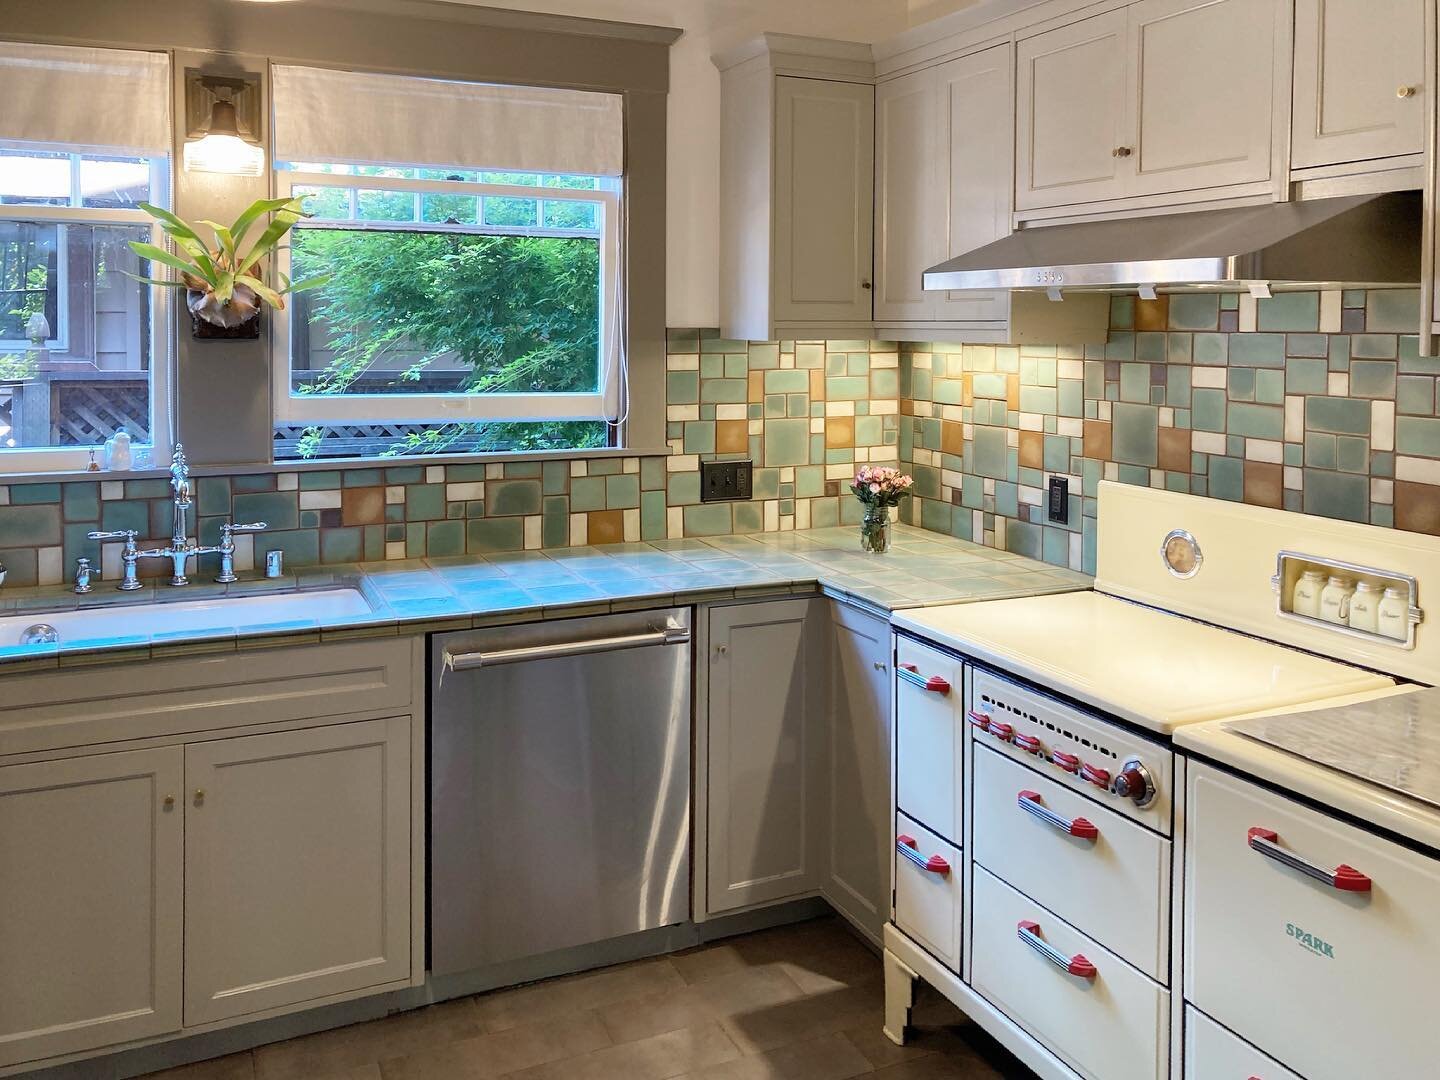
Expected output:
{"points": [[1392, 598]]}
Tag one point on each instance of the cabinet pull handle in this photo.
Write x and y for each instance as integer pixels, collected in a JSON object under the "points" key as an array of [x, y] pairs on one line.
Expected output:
{"points": [[1343, 878], [1076, 965], [911, 674], [905, 845], [1405, 92], [1081, 827], [1122, 151], [199, 796], [169, 801]]}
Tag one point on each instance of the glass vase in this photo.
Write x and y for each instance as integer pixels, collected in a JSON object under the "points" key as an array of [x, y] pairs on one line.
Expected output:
{"points": [[875, 530]]}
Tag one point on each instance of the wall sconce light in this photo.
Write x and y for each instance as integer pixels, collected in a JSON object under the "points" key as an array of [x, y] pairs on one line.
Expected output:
{"points": [[223, 124]]}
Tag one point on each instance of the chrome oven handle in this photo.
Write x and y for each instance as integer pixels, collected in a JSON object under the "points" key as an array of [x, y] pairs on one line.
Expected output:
{"points": [[1075, 965], [670, 635], [936, 864], [1343, 878], [911, 674], [1081, 827]]}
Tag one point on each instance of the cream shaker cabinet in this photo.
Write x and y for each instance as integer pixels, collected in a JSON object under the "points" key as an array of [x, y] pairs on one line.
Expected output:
{"points": [[91, 853], [909, 199], [1160, 98], [1360, 85], [297, 866]]}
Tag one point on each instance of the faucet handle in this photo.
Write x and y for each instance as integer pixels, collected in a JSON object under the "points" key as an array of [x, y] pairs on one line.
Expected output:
{"points": [[254, 526], [128, 535]]}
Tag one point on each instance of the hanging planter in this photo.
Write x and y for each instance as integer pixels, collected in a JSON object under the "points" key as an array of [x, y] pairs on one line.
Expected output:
{"points": [[224, 293]]}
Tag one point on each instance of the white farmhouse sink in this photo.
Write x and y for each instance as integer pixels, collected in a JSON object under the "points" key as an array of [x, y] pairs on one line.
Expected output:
{"points": [[177, 617]]}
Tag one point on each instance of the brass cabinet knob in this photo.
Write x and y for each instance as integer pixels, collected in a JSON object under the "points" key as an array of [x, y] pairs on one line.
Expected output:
{"points": [[1123, 151], [169, 802], [865, 285], [1405, 91], [199, 796]]}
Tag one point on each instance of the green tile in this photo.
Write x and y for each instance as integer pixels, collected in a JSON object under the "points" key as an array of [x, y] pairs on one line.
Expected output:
{"points": [[1269, 386], [1150, 347], [512, 498], [425, 502], [1305, 376], [444, 538], [465, 474], [652, 515], [683, 489], [712, 519], [374, 543], [34, 494], [788, 381], [1320, 450], [604, 466], [652, 474], [1293, 311], [587, 493], [1134, 382], [1122, 312], [682, 387], [1212, 349], [555, 477], [494, 534], [1135, 433], [1374, 346], [1257, 421], [253, 483], [1372, 378], [37, 526], [723, 391], [278, 508], [787, 442], [404, 474], [1352, 453], [1241, 384], [1257, 350], [118, 515], [1393, 311], [700, 437], [341, 545], [1417, 435], [301, 546], [152, 488], [320, 481], [81, 501], [622, 492], [1343, 416], [1336, 495], [1415, 394], [991, 454], [1311, 345], [212, 495], [1194, 311], [1227, 478], [1207, 411], [363, 478]]}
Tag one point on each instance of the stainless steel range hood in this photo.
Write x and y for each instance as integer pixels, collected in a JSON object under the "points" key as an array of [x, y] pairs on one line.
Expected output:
{"points": [[1356, 241]]}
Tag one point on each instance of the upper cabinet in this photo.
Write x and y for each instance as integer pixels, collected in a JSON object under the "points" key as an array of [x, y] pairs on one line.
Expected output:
{"points": [[1359, 91], [909, 201], [797, 181], [1158, 99]]}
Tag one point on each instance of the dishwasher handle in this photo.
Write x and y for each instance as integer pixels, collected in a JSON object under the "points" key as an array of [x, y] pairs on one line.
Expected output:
{"points": [[669, 635]]}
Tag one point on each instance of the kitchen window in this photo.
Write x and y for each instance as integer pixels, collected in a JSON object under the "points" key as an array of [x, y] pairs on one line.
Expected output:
{"points": [[82, 345], [470, 307]]}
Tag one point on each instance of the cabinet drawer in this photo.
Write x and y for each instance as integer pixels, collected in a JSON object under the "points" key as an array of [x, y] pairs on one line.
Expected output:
{"points": [[1114, 885], [168, 697], [1358, 966], [927, 890], [1212, 1053], [1108, 1024], [928, 736]]}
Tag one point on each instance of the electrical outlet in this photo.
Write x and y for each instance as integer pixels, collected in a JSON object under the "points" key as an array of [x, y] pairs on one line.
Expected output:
{"points": [[726, 481], [1059, 502]]}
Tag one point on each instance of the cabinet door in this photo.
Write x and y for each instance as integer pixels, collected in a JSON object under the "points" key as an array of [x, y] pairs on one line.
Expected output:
{"points": [[1202, 78], [1070, 114], [857, 879], [908, 201], [761, 831], [824, 210], [297, 871], [1359, 80], [976, 118], [90, 894]]}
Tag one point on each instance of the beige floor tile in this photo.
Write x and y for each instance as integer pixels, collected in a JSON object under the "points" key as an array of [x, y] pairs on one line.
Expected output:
{"points": [[500, 1052], [831, 1057], [656, 1058]]}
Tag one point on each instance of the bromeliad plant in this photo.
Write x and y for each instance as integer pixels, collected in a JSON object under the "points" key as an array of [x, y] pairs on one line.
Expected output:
{"points": [[223, 285], [879, 488]]}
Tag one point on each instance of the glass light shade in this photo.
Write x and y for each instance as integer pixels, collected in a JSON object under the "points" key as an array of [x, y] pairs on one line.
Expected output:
{"points": [[224, 154]]}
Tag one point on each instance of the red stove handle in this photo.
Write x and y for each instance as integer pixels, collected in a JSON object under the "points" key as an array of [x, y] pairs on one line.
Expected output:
{"points": [[1001, 730], [911, 674], [905, 845], [978, 720], [1343, 878], [1030, 802], [1096, 775], [1076, 965], [1028, 743], [1069, 762]]}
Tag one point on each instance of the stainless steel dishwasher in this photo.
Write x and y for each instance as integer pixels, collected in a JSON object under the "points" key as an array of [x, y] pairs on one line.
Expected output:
{"points": [[559, 785]]}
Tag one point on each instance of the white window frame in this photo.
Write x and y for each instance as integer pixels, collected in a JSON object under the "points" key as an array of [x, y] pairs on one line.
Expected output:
{"points": [[605, 402], [41, 459]]}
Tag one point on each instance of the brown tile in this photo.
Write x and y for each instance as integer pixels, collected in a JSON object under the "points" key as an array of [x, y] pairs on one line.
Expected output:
{"points": [[345, 1053], [839, 431], [1032, 450], [506, 1009], [817, 384], [1012, 392], [232, 1067], [1174, 449], [937, 1067], [732, 436], [1417, 507], [1097, 439], [605, 526], [502, 1052], [668, 1055], [830, 1057], [952, 437], [1265, 484], [362, 506], [1153, 314], [655, 1014], [755, 389], [809, 1016]]}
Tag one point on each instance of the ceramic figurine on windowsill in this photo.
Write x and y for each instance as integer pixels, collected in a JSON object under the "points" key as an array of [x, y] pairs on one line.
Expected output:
{"points": [[879, 489]]}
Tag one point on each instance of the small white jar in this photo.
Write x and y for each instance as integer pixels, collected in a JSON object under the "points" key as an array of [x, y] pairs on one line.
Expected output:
{"points": [[1335, 599], [1393, 614], [1305, 600], [1365, 606]]}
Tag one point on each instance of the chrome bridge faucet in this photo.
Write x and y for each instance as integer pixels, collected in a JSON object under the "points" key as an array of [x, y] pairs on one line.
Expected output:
{"points": [[181, 550]]}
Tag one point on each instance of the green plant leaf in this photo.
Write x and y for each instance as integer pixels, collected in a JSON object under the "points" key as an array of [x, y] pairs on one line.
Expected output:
{"points": [[284, 220], [223, 236], [314, 282], [269, 295], [225, 287], [185, 237], [253, 213], [169, 283], [160, 255]]}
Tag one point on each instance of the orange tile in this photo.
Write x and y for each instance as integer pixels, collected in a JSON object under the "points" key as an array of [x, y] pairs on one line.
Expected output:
{"points": [[1417, 507], [1097, 439], [839, 431], [1012, 392], [1175, 449], [756, 388], [362, 506], [817, 384], [1153, 314], [967, 388], [605, 526], [732, 436], [1032, 450], [952, 437], [1265, 484]]}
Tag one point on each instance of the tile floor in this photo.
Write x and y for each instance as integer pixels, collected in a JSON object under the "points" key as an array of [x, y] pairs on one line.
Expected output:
{"points": [[803, 1002]]}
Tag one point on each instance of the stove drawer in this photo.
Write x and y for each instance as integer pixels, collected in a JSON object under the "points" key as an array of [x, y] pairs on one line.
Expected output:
{"points": [[1103, 1018], [1114, 885], [927, 890], [1212, 1053], [929, 692], [1333, 981]]}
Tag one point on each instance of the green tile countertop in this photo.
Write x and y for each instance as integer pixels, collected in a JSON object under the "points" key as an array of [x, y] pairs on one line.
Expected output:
{"points": [[922, 569]]}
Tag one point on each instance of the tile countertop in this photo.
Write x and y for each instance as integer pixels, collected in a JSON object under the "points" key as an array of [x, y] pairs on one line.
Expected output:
{"points": [[922, 569]]}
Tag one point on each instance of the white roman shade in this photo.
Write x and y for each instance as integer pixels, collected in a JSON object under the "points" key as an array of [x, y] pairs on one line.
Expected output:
{"points": [[367, 119], [96, 99]]}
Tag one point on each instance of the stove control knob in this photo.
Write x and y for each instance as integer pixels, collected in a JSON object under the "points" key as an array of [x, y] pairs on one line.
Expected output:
{"points": [[1134, 782]]}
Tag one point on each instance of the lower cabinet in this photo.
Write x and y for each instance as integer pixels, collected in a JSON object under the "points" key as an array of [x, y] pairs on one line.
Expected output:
{"points": [[147, 891], [91, 852]]}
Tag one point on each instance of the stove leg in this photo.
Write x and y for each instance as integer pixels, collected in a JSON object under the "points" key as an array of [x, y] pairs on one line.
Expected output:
{"points": [[899, 997]]}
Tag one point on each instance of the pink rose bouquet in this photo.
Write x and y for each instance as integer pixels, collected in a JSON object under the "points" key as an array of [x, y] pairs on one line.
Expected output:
{"points": [[877, 486]]}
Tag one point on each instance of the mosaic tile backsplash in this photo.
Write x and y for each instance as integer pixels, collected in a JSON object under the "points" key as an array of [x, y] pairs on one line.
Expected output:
{"points": [[1311, 401]]}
